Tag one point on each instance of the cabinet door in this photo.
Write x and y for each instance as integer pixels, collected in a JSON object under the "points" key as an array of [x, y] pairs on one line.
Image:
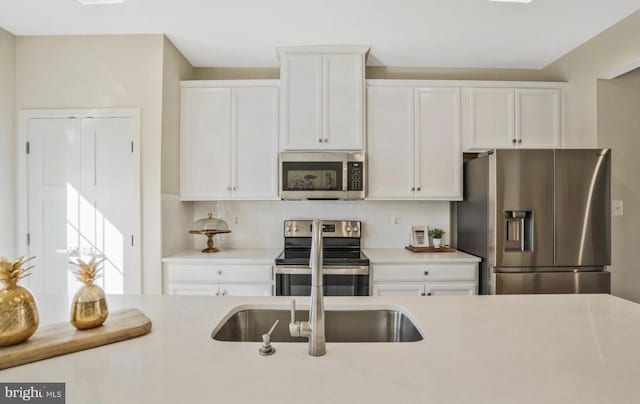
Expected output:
{"points": [[193, 289], [538, 118], [255, 143], [301, 102], [205, 144], [398, 289], [450, 289], [343, 102], [490, 119], [390, 142], [246, 290], [438, 151]]}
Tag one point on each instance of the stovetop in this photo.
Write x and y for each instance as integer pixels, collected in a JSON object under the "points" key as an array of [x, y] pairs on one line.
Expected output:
{"points": [[330, 258]]}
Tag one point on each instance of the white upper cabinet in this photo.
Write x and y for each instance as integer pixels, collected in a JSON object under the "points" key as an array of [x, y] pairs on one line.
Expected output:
{"points": [[413, 141], [538, 117], [513, 117], [438, 150], [205, 143], [491, 117], [229, 140], [322, 100], [390, 142]]}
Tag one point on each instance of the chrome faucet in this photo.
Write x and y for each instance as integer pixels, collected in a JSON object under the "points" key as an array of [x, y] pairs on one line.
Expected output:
{"points": [[314, 328]]}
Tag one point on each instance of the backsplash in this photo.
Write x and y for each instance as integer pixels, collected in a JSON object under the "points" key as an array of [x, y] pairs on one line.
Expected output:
{"points": [[259, 223]]}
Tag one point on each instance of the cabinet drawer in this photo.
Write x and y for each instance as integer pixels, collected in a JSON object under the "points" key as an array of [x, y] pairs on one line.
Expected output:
{"points": [[425, 272], [192, 289], [185, 273], [246, 290]]}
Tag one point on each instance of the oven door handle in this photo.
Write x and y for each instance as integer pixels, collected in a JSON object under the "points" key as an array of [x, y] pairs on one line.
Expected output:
{"points": [[303, 270]]}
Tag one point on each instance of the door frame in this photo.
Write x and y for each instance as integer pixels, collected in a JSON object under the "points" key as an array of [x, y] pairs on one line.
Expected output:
{"points": [[133, 284]]}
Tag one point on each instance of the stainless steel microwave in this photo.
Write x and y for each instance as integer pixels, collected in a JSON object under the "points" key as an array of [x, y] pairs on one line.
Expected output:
{"points": [[322, 175]]}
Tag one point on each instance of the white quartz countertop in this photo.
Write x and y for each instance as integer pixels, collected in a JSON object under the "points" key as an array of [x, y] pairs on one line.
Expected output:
{"points": [[402, 255], [226, 256], [477, 349]]}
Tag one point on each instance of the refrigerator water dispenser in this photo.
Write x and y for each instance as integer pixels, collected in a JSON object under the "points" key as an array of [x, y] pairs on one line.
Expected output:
{"points": [[518, 230]]}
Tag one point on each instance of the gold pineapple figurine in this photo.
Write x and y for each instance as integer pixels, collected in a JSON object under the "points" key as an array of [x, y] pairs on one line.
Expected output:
{"points": [[18, 311], [89, 307]]}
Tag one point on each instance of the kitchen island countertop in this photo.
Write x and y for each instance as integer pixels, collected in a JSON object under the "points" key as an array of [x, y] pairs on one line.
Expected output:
{"points": [[476, 349]]}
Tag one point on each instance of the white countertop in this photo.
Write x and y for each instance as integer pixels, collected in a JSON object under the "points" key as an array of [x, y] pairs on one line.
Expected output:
{"points": [[227, 256], [477, 349], [402, 255]]}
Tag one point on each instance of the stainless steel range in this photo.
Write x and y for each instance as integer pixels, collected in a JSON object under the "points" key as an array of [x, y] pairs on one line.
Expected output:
{"points": [[345, 267]]}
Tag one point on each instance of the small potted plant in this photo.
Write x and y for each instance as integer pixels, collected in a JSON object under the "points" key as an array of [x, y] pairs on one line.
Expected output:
{"points": [[436, 236]]}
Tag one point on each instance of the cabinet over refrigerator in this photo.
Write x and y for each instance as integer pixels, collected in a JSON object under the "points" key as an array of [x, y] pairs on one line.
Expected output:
{"points": [[540, 219]]}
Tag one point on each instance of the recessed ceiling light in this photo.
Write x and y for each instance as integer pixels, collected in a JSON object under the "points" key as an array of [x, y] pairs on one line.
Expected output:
{"points": [[512, 1], [94, 2]]}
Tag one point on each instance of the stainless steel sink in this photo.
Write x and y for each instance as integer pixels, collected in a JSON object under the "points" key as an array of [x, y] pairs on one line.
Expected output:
{"points": [[341, 326]]}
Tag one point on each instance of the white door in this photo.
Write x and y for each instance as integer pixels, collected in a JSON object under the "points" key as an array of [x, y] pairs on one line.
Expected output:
{"points": [[301, 102], [538, 118], [438, 144], [255, 143], [491, 118], [83, 197], [205, 144], [398, 289], [54, 178], [343, 116], [390, 142], [451, 289]]}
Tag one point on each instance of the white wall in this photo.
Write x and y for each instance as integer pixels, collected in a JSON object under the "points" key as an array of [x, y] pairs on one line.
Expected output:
{"points": [[619, 129], [610, 50], [7, 114], [260, 224], [105, 72], [177, 216]]}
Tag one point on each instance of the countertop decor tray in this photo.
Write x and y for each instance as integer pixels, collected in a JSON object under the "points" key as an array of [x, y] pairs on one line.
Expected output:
{"points": [[62, 338], [445, 249]]}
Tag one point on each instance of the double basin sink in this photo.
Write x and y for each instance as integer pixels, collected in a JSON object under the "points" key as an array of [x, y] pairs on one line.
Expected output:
{"points": [[380, 325]]}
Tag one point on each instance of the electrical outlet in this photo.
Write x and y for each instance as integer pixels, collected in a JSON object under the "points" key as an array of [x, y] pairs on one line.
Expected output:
{"points": [[617, 208], [395, 221], [235, 219]]}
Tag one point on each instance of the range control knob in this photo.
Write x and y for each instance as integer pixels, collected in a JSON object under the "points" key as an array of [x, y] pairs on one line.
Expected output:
{"points": [[297, 228], [349, 229]]}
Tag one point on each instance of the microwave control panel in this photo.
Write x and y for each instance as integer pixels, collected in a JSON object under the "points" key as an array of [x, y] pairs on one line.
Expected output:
{"points": [[354, 175]]}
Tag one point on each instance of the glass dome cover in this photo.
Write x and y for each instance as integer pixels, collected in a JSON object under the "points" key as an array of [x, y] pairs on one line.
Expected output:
{"points": [[209, 224]]}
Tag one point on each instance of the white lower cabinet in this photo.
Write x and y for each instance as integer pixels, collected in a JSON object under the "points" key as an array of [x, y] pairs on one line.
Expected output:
{"points": [[218, 280], [419, 279]]}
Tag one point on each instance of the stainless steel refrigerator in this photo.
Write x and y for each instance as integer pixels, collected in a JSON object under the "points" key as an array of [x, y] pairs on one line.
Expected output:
{"points": [[540, 220]]}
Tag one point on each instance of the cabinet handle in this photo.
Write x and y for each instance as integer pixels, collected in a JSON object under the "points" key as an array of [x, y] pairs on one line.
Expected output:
{"points": [[234, 188], [319, 140], [218, 293], [326, 140], [514, 141], [422, 294], [519, 141], [224, 293], [228, 188], [413, 189], [426, 273], [429, 294], [419, 189], [220, 272]]}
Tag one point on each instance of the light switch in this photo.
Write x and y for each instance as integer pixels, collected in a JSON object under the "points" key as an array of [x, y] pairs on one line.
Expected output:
{"points": [[617, 208], [395, 221]]}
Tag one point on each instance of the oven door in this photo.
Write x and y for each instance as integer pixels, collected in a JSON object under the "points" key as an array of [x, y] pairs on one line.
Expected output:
{"points": [[288, 284], [318, 175]]}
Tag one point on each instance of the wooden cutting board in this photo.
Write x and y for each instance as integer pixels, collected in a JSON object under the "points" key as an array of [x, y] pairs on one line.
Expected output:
{"points": [[445, 249], [63, 338]]}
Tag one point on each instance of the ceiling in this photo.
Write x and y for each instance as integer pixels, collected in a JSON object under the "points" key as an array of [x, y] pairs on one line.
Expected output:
{"points": [[244, 33]]}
